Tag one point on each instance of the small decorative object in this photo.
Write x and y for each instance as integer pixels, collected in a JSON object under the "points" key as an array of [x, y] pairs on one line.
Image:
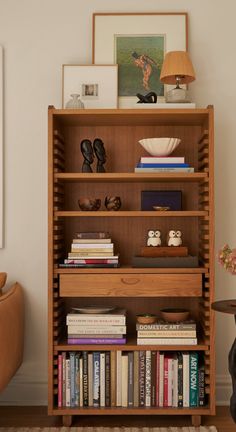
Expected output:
{"points": [[89, 204], [87, 152], [174, 314], [154, 238], [160, 146], [146, 318], [161, 200], [158, 208], [177, 69], [100, 152], [164, 251], [150, 97], [75, 102], [113, 203], [174, 238]]}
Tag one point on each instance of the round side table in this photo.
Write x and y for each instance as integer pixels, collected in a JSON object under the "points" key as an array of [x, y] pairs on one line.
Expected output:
{"points": [[229, 307]]}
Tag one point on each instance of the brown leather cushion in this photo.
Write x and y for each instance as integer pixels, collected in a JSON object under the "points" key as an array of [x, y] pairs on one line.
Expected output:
{"points": [[11, 333]]}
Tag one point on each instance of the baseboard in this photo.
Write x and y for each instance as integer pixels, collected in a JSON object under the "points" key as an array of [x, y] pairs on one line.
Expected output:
{"points": [[32, 392]]}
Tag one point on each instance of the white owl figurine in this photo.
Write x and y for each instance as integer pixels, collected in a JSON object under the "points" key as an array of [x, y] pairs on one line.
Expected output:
{"points": [[174, 238], [154, 238]]}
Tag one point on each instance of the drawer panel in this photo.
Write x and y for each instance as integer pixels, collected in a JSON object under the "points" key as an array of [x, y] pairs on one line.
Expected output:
{"points": [[131, 285]]}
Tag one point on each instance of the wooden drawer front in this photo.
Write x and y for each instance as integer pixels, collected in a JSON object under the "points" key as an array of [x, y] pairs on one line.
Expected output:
{"points": [[127, 285]]}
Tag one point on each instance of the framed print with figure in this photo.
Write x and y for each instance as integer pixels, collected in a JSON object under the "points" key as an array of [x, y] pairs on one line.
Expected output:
{"points": [[95, 85], [137, 42]]}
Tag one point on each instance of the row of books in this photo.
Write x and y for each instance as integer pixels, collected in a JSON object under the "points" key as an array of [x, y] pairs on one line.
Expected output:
{"points": [[130, 379], [184, 333], [97, 328], [91, 250], [162, 164]]}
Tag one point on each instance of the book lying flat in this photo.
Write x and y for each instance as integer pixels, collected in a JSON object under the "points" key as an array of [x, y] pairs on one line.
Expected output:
{"points": [[156, 170], [162, 325], [91, 240], [161, 160], [166, 334], [91, 261], [117, 317], [96, 341], [115, 265], [161, 165], [164, 262], [93, 235], [166, 341]]}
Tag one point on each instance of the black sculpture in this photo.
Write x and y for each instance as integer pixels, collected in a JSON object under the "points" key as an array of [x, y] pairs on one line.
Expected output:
{"points": [[100, 152], [150, 97], [232, 371], [87, 152]]}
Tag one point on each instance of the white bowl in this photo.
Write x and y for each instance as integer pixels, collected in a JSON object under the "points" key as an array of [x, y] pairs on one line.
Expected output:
{"points": [[159, 146]]}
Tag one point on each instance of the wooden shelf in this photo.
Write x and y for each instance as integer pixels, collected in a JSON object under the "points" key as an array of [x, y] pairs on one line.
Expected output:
{"points": [[130, 177], [131, 213], [131, 345], [130, 270], [131, 411]]}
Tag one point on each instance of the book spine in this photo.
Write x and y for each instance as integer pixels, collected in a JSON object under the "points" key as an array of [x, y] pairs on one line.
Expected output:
{"points": [[124, 388], [93, 251], [141, 378], [86, 330], [161, 165], [93, 235], [153, 170], [154, 159], [165, 327], [180, 380], [107, 380], [96, 379], [85, 378], [186, 380], [165, 401], [130, 379], [81, 382], [90, 379], [170, 382], [59, 380], [102, 379], [166, 341], [157, 377], [68, 383], [92, 246], [63, 379], [113, 378], [77, 390], [91, 241], [148, 379], [91, 261], [161, 380], [83, 320], [96, 341], [72, 379], [201, 380], [118, 377], [193, 370], [136, 379], [153, 377], [175, 382], [166, 334], [90, 254]]}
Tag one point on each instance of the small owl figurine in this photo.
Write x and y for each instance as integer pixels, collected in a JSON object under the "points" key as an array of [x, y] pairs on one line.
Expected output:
{"points": [[154, 238], [174, 238]]}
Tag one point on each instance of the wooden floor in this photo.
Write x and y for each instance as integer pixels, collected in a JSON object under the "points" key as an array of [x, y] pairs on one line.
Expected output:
{"points": [[37, 417]]}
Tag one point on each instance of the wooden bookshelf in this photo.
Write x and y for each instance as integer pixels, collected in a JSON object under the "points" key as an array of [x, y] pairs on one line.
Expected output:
{"points": [[137, 289]]}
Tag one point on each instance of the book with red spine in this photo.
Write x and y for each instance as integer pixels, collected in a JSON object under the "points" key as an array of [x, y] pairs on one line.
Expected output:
{"points": [[59, 380]]}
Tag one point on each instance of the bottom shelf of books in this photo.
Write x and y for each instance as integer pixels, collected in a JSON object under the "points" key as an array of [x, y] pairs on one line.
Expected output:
{"points": [[132, 379]]}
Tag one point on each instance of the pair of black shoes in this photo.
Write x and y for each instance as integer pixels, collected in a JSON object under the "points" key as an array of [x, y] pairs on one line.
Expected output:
{"points": [[88, 150]]}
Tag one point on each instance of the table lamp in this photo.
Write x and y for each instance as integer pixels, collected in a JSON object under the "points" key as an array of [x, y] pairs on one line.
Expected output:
{"points": [[177, 69]]}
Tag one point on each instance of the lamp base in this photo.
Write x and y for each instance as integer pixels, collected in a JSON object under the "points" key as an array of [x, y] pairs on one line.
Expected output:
{"points": [[177, 95]]}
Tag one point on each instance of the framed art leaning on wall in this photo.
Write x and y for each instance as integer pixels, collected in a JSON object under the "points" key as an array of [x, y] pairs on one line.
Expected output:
{"points": [[95, 84], [137, 42]]}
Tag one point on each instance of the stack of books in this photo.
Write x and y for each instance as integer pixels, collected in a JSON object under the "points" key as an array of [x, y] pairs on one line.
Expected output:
{"points": [[163, 333], [153, 164], [131, 379], [91, 250], [97, 328]]}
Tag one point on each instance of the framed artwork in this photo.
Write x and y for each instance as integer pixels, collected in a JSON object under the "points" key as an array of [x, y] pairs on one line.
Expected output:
{"points": [[96, 85], [1, 147], [137, 42]]}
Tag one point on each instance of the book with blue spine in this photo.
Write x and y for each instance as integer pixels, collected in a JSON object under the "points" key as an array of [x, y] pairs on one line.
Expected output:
{"points": [[72, 379], [193, 379]]}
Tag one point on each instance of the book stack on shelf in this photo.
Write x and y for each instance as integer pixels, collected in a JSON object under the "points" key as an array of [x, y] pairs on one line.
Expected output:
{"points": [[163, 333], [98, 326], [131, 379], [91, 250], [156, 164]]}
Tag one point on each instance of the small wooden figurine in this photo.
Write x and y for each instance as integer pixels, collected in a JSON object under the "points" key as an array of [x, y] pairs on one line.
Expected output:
{"points": [[154, 238], [174, 238], [87, 152]]}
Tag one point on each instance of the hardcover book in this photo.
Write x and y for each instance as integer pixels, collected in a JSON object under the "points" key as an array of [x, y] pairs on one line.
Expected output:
{"points": [[96, 379], [193, 377], [162, 326], [142, 378]]}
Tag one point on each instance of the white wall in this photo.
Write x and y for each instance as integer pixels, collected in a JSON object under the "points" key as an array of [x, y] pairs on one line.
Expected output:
{"points": [[38, 36]]}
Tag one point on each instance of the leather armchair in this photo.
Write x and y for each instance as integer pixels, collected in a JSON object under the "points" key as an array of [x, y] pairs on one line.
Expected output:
{"points": [[11, 331]]}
